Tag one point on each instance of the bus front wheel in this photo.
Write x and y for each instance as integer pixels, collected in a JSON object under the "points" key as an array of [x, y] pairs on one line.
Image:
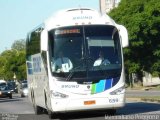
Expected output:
{"points": [[50, 114], [112, 112], [37, 110]]}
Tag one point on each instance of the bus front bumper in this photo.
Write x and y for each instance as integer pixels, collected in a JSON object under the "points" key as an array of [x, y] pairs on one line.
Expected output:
{"points": [[69, 105]]}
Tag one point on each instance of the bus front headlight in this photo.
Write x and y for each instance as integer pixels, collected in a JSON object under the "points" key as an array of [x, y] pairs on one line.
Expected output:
{"points": [[118, 91], [55, 94]]}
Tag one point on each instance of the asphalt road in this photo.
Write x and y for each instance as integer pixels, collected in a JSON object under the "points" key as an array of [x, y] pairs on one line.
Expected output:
{"points": [[20, 109], [130, 93]]}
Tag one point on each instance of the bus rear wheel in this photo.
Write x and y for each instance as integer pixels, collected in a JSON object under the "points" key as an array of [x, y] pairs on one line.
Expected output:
{"points": [[38, 110]]}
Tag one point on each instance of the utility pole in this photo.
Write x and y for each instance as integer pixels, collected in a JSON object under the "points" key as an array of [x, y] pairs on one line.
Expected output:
{"points": [[102, 6], [113, 3]]}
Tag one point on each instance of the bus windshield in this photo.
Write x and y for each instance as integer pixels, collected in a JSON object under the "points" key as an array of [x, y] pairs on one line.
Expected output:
{"points": [[90, 51]]}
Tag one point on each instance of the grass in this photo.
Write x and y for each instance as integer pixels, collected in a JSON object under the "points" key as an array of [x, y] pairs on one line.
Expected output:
{"points": [[157, 88], [152, 98], [145, 98]]}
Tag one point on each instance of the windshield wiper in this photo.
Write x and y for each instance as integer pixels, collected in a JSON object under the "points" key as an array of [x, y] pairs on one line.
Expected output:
{"points": [[87, 59], [72, 73]]}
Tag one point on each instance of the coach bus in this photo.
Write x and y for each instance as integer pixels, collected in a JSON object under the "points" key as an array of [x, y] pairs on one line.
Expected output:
{"points": [[90, 75]]}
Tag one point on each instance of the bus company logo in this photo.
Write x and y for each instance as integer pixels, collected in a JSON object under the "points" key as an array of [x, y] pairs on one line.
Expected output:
{"points": [[70, 86], [82, 17], [88, 86]]}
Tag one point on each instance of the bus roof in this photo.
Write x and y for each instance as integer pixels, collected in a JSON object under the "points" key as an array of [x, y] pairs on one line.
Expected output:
{"points": [[77, 16]]}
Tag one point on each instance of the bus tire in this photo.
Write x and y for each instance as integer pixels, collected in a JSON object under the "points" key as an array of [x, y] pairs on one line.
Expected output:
{"points": [[37, 110], [50, 114]]}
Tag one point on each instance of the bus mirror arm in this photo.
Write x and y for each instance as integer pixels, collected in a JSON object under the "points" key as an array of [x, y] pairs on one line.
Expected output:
{"points": [[44, 40], [124, 35]]}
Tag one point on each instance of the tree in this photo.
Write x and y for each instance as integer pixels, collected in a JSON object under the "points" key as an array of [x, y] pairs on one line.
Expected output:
{"points": [[2, 68], [19, 45], [13, 62], [142, 19]]}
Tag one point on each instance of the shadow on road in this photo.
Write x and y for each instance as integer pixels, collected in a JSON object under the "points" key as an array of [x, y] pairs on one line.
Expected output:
{"points": [[66, 116], [129, 109], [139, 108], [82, 115], [2, 100]]}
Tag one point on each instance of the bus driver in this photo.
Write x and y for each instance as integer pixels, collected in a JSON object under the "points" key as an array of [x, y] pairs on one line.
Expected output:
{"points": [[62, 64], [101, 60]]}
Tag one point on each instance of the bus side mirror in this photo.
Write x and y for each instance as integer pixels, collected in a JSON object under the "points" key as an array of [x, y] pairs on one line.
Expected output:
{"points": [[124, 35], [44, 40]]}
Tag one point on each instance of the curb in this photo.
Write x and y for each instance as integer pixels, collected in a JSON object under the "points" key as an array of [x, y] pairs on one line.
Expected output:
{"points": [[133, 99]]}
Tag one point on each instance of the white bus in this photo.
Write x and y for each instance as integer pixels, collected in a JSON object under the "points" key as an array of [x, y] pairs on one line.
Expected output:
{"points": [[77, 83]]}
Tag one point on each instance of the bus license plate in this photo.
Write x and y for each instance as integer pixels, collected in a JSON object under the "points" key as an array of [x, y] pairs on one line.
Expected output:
{"points": [[90, 102]]}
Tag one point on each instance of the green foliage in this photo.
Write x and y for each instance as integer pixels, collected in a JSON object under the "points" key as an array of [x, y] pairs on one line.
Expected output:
{"points": [[13, 62], [142, 19], [19, 45]]}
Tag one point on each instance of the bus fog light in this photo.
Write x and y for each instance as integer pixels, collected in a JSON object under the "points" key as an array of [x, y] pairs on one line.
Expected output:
{"points": [[118, 91], [55, 94]]}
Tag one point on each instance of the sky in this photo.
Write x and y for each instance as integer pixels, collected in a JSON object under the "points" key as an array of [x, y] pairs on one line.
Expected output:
{"points": [[17, 17]]}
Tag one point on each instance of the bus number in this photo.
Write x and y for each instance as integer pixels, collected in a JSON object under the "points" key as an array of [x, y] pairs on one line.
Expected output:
{"points": [[114, 100]]}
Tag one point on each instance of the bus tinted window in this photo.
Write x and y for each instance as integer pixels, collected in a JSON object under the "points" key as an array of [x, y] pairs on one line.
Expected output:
{"points": [[82, 45]]}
